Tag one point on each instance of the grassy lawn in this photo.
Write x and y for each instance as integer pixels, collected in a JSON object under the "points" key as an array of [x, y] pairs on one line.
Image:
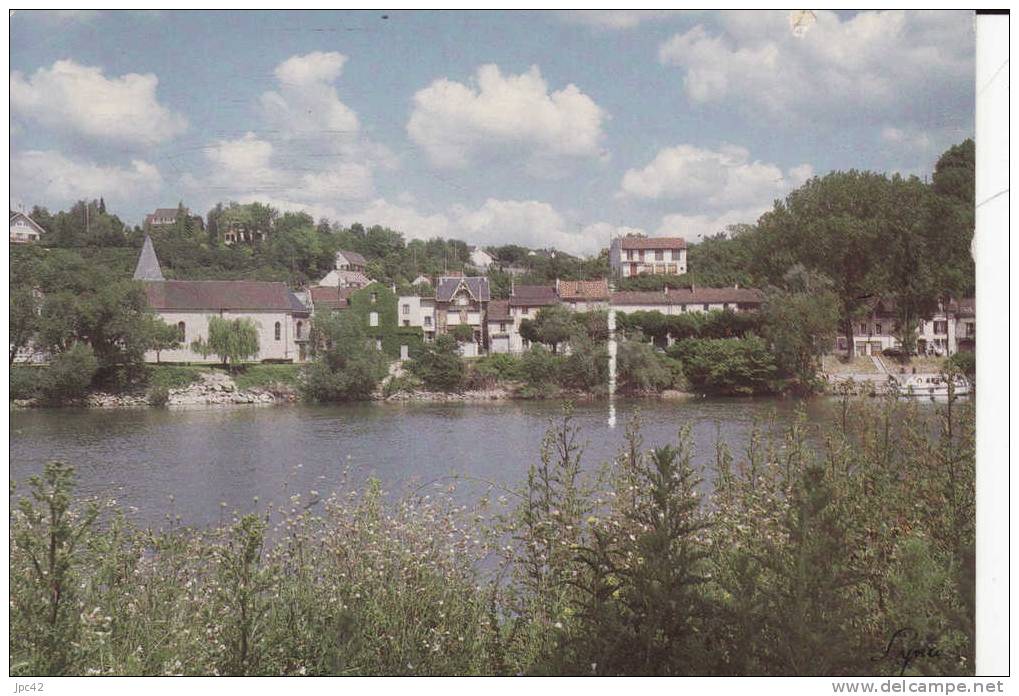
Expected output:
{"points": [[175, 376], [921, 363], [256, 376], [860, 364]]}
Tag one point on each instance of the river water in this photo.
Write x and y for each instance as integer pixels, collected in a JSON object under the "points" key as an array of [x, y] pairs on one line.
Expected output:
{"points": [[207, 456]]}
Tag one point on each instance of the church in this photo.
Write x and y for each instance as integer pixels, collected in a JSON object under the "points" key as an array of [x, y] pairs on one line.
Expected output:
{"points": [[283, 321]]}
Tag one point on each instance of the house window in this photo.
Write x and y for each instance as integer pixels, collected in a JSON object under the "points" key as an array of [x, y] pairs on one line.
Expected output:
{"points": [[941, 327], [502, 327], [406, 322], [863, 327], [659, 254], [300, 329], [428, 321], [877, 328], [406, 309], [971, 329], [524, 310], [277, 331], [705, 306], [181, 331], [373, 319], [375, 297]]}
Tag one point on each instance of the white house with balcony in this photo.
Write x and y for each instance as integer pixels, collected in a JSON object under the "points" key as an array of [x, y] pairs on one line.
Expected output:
{"points": [[636, 255]]}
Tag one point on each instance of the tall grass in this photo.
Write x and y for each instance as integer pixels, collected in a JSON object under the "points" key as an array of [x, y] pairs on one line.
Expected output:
{"points": [[802, 560]]}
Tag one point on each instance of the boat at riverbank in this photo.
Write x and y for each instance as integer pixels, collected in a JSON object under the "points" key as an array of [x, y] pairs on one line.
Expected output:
{"points": [[929, 385]]}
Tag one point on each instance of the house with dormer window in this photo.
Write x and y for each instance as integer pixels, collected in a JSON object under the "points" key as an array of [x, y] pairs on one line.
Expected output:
{"points": [[462, 300]]}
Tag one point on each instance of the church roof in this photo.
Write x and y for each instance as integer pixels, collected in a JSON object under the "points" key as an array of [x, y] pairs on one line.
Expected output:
{"points": [[221, 294], [148, 265]]}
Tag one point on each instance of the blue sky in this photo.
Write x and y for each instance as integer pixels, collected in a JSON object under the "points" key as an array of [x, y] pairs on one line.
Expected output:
{"points": [[540, 128]]}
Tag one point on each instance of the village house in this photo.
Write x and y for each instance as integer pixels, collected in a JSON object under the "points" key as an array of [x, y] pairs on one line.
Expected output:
{"points": [[166, 217], [24, 230], [634, 255], [672, 301], [348, 271], [462, 300], [415, 311], [583, 295], [282, 320], [480, 258], [524, 303], [500, 327], [950, 329]]}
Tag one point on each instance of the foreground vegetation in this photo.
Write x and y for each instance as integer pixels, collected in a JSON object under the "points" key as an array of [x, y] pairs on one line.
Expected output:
{"points": [[812, 549]]}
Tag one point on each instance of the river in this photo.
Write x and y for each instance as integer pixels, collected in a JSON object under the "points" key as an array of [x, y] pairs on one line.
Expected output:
{"points": [[207, 456]]}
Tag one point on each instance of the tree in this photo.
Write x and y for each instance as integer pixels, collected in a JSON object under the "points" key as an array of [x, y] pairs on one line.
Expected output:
{"points": [[70, 373], [726, 365], [839, 225], [553, 325], [439, 365], [346, 366], [161, 336], [24, 319], [233, 340], [463, 333], [639, 368], [800, 327]]}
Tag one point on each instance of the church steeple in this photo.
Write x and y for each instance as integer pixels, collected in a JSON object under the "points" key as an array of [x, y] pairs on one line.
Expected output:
{"points": [[148, 265]]}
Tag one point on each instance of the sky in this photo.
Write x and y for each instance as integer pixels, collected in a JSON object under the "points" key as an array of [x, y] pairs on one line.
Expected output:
{"points": [[547, 129]]}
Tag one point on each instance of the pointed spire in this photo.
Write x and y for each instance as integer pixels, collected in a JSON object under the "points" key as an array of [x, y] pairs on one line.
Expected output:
{"points": [[148, 264]]}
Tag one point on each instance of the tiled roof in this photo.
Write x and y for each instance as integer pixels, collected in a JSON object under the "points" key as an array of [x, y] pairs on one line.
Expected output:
{"points": [[477, 286], [148, 265], [220, 294], [584, 289], [165, 213], [689, 296], [330, 296], [532, 295], [498, 310], [652, 243], [353, 257]]}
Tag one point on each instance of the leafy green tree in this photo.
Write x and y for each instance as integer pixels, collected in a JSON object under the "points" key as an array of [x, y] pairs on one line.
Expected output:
{"points": [[70, 373], [24, 319], [439, 365], [800, 326], [346, 365], [726, 365], [839, 225], [161, 336], [232, 340], [463, 333], [587, 365], [552, 326], [639, 369]]}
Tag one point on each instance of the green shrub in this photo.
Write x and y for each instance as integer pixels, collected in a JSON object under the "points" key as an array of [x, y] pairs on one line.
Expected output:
{"points": [[500, 366], [727, 365], [639, 368], [440, 366], [965, 361], [158, 395], [70, 374], [26, 381], [539, 369]]}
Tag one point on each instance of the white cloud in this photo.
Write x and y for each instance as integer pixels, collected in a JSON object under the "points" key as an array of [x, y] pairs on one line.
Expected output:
{"points": [[81, 100], [712, 179], [47, 175], [867, 66], [909, 138], [495, 222], [616, 19], [693, 227], [505, 114], [307, 104]]}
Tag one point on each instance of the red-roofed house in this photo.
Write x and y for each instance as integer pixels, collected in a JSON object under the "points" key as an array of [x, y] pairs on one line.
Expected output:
{"points": [[633, 255]]}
